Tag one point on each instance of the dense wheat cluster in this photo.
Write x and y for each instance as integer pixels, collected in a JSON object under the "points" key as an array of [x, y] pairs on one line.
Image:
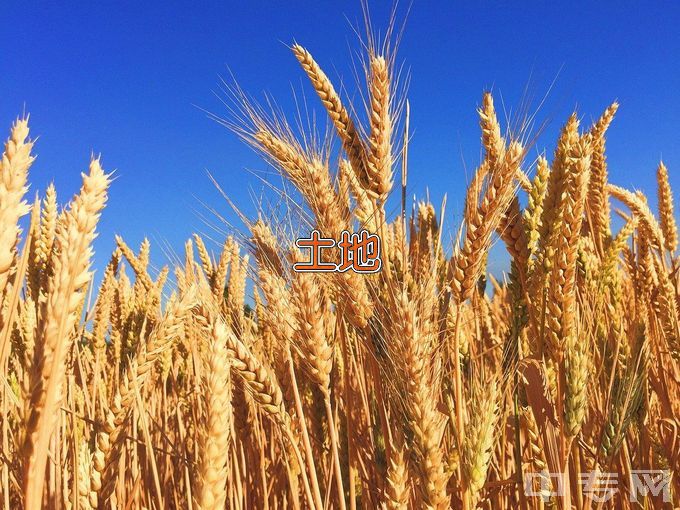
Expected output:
{"points": [[232, 381]]}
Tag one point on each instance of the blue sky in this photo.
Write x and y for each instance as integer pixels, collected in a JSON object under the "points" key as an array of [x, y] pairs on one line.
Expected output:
{"points": [[124, 79]]}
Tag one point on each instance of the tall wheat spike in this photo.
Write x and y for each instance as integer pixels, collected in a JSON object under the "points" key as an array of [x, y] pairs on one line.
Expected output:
{"points": [[214, 442], [55, 332], [16, 160], [666, 213]]}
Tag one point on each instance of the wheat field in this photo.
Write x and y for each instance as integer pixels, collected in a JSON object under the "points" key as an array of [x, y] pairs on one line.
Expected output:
{"points": [[232, 381]]}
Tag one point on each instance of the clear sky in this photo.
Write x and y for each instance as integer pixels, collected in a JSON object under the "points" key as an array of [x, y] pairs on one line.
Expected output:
{"points": [[124, 79]]}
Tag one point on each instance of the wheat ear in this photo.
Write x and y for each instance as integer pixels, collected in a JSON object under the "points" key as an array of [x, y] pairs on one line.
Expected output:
{"points": [[349, 136], [213, 444], [54, 338], [666, 213], [380, 141], [648, 223], [598, 196], [16, 160], [478, 445], [397, 486]]}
